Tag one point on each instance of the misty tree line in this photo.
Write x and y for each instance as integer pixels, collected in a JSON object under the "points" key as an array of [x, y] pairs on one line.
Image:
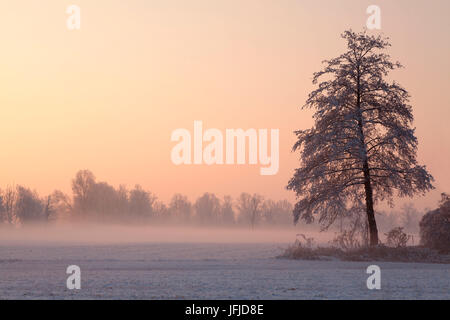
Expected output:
{"points": [[100, 202]]}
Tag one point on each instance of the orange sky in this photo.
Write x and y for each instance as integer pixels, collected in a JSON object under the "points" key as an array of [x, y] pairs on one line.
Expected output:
{"points": [[108, 96]]}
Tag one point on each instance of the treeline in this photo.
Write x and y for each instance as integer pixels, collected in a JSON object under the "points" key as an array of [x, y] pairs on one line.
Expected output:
{"points": [[100, 202], [408, 218]]}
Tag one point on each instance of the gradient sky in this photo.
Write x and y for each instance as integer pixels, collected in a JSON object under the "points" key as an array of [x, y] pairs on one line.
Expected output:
{"points": [[108, 96]]}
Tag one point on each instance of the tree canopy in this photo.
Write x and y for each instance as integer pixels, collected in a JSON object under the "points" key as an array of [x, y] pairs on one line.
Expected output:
{"points": [[362, 147]]}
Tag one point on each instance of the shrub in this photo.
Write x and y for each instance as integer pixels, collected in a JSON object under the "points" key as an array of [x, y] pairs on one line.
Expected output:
{"points": [[347, 240], [397, 238], [435, 227]]}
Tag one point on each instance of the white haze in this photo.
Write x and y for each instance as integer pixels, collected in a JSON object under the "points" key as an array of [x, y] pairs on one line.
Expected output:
{"points": [[116, 234]]}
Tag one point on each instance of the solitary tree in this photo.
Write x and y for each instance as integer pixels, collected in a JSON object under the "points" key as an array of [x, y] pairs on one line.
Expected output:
{"points": [[362, 146]]}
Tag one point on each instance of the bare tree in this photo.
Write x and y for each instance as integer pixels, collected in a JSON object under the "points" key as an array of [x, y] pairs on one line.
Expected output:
{"points": [[227, 214], [362, 146], [269, 211], [82, 186], [2, 208], [250, 207], [180, 208], [9, 200]]}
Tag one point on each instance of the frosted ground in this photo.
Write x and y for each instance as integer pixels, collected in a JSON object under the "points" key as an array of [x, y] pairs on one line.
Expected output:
{"points": [[203, 271]]}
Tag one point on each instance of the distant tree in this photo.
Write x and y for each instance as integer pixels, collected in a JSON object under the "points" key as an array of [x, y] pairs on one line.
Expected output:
{"points": [[141, 202], [103, 200], [161, 211], [435, 226], [48, 210], [122, 201], [180, 208], [410, 218], [82, 186], [268, 211], [362, 146], [283, 209], [2, 208], [28, 206], [276, 213], [60, 205], [226, 211], [207, 208], [250, 208], [8, 200]]}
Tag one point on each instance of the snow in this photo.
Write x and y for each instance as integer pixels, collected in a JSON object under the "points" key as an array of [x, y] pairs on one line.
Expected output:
{"points": [[204, 271]]}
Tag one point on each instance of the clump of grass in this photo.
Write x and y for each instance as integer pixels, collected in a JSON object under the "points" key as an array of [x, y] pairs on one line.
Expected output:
{"points": [[305, 249]]}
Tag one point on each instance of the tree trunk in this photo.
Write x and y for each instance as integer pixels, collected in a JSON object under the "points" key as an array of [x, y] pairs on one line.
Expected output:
{"points": [[373, 230]]}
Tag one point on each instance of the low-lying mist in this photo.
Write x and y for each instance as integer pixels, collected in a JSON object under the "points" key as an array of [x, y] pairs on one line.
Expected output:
{"points": [[111, 234], [96, 212]]}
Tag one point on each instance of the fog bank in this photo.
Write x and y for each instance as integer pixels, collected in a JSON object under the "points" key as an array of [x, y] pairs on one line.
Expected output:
{"points": [[111, 234]]}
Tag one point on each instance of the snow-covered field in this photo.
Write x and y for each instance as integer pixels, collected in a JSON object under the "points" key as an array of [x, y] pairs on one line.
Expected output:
{"points": [[204, 271]]}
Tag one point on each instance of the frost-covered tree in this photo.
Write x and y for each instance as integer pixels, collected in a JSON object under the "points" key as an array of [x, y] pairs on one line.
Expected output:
{"points": [[435, 227], [362, 147]]}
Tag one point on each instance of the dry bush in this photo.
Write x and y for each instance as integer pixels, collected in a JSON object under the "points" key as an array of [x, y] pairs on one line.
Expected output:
{"points": [[346, 240], [396, 238]]}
